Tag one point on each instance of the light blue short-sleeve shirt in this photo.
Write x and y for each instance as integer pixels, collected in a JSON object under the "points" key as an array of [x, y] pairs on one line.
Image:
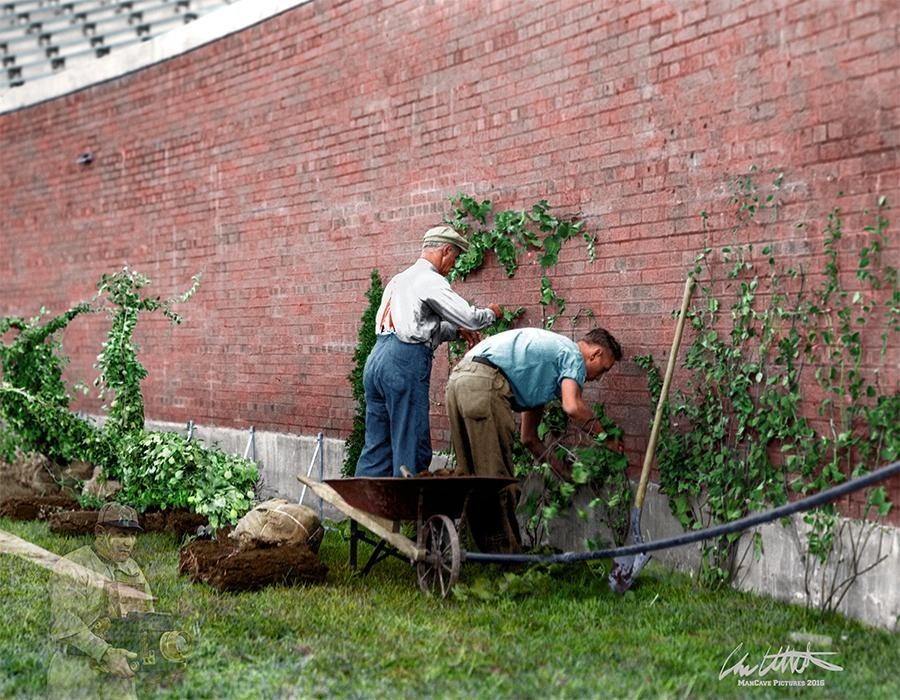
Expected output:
{"points": [[535, 362]]}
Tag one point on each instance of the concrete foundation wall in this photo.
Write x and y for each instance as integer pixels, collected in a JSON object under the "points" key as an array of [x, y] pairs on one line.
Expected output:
{"points": [[780, 572]]}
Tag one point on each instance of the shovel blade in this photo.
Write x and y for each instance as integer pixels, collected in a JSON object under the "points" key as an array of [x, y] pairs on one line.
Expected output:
{"points": [[625, 572], [627, 568]]}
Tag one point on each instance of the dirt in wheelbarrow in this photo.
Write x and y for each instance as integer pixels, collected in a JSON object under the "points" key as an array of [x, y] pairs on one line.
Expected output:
{"points": [[436, 472], [224, 566]]}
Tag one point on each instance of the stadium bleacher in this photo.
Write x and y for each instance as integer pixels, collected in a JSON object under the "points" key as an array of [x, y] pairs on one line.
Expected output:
{"points": [[39, 38]]}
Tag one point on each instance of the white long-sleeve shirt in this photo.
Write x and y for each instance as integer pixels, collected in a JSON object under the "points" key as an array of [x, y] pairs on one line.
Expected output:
{"points": [[419, 306]]}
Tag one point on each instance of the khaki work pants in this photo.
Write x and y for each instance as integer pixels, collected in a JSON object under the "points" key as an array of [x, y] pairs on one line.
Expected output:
{"points": [[482, 429]]}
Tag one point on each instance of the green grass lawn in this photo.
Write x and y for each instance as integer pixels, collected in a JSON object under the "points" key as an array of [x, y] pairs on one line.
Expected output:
{"points": [[558, 633]]}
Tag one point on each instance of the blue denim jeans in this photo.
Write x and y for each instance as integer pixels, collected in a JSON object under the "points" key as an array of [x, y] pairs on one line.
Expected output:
{"points": [[396, 380]]}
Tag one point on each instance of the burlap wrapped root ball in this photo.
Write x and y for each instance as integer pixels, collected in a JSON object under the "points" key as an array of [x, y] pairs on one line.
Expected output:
{"points": [[278, 522]]}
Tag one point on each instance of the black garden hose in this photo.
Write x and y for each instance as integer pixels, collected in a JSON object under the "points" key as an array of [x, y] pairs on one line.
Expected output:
{"points": [[738, 525]]}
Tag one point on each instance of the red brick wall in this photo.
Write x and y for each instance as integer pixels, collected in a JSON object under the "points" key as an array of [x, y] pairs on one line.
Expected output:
{"points": [[286, 161]]}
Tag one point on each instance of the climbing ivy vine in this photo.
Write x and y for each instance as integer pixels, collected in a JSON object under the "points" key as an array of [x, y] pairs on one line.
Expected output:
{"points": [[744, 434], [510, 236], [120, 371], [34, 401]]}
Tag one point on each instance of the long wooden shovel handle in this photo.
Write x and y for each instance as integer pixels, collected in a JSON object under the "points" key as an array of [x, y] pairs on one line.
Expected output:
{"points": [[663, 395]]}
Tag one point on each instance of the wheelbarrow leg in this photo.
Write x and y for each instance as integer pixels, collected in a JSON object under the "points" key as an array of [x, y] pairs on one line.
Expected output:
{"points": [[354, 540], [463, 523], [376, 556]]}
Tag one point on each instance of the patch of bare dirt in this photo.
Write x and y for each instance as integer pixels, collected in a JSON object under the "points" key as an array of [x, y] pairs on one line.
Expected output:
{"points": [[30, 474], [180, 522], [33, 475], [436, 472]]}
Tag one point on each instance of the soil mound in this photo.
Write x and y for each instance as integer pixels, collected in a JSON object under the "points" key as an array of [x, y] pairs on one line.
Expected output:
{"points": [[30, 474], [437, 472], [82, 522], [33, 475], [226, 567], [36, 507], [73, 522], [182, 522]]}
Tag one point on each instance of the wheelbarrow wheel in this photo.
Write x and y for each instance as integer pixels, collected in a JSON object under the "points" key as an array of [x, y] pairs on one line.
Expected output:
{"points": [[439, 570]]}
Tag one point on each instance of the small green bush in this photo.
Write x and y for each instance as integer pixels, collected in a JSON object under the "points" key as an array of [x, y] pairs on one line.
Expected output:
{"points": [[366, 341], [166, 470], [158, 470]]}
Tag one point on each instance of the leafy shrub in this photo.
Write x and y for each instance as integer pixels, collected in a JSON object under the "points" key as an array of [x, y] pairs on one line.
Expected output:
{"points": [[8, 443], [596, 469], [34, 401], [365, 342], [166, 470], [160, 470]]}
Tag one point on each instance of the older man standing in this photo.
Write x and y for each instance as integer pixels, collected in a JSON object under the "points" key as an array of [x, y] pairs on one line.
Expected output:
{"points": [[418, 312]]}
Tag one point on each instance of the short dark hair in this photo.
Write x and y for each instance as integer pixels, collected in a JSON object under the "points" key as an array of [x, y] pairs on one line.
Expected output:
{"points": [[603, 338]]}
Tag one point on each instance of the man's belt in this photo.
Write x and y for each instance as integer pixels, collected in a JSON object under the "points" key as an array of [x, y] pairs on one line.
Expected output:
{"points": [[485, 361]]}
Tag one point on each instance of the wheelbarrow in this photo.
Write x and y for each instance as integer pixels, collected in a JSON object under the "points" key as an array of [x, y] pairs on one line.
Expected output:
{"points": [[432, 502]]}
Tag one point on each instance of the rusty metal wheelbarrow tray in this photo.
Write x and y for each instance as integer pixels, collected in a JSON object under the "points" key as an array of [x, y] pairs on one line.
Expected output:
{"points": [[408, 499], [432, 502]]}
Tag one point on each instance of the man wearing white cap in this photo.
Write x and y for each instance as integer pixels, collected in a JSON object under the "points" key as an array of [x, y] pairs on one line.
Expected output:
{"points": [[418, 312]]}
